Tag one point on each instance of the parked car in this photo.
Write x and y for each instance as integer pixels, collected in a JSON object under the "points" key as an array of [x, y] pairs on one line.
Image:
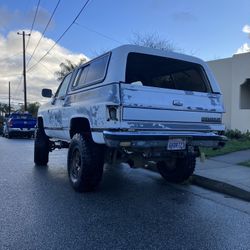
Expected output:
{"points": [[136, 105], [4, 128], [19, 124]]}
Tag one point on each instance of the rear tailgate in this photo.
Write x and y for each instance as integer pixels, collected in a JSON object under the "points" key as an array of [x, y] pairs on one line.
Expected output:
{"points": [[171, 109], [23, 123]]}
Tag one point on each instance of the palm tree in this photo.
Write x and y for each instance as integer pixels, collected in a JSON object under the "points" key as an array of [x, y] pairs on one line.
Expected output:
{"points": [[67, 67], [4, 109]]}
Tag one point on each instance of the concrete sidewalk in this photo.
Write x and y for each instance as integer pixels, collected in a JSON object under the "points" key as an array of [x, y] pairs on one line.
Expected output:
{"points": [[222, 174]]}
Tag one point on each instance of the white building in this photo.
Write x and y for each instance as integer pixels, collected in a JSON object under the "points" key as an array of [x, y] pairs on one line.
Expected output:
{"points": [[233, 76]]}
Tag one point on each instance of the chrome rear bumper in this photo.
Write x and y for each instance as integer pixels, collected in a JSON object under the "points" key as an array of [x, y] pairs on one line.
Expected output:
{"points": [[148, 139]]}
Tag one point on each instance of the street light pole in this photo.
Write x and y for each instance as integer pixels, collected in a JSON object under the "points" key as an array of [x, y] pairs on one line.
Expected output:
{"points": [[24, 69]]}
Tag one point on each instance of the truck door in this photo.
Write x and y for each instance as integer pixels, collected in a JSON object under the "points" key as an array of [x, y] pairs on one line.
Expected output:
{"points": [[56, 117]]}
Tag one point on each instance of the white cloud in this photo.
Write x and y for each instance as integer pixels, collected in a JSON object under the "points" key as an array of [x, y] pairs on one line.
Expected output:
{"points": [[243, 49], [41, 76], [246, 29]]}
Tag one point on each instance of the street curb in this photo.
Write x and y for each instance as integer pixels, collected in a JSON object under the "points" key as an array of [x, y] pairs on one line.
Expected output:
{"points": [[217, 186], [221, 187]]}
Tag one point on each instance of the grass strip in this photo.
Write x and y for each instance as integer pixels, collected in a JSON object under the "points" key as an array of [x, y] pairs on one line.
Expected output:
{"points": [[245, 163], [231, 146]]}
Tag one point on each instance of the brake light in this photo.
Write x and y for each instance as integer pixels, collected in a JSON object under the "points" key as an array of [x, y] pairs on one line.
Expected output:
{"points": [[10, 123], [112, 113]]}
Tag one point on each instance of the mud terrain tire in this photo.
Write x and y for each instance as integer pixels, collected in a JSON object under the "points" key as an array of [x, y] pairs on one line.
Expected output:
{"points": [[41, 148], [85, 163], [180, 171]]}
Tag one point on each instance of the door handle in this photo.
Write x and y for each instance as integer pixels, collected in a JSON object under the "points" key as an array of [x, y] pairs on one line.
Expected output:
{"points": [[177, 103]]}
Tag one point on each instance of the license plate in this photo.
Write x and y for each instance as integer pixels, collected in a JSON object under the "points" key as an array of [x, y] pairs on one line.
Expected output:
{"points": [[176, 144]]}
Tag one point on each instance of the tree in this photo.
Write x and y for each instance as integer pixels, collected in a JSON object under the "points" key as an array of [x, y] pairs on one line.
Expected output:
{"points": [[67, 67], [4, 109], [32, 108], [152, 41]]}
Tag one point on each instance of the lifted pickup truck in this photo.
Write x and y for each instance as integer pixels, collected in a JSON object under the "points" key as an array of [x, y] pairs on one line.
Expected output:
{"points": [[19, 124], [136, 105]]}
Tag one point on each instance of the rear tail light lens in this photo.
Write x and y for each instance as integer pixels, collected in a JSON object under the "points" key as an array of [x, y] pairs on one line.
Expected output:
{"points": [[112, 113], [10, 123]]}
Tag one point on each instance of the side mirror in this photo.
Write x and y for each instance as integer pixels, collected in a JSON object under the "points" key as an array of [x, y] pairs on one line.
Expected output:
{"points": [[47, 93]]}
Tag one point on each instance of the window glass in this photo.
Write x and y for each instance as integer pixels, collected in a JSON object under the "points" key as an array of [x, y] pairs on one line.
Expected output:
{"points": [[245, 94], [21, 116], [64, 86], [97, 69], [76, 78], [82, 77], [162, 72], [93, 72]]}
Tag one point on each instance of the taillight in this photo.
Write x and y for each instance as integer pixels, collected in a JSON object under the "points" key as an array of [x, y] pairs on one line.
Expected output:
{"points": [[112, 113], [10, 123]]}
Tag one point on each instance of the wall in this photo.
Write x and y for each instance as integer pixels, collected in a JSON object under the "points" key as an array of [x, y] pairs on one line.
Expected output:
{"points": [[230, 74], [222, 70], [240, 72]]}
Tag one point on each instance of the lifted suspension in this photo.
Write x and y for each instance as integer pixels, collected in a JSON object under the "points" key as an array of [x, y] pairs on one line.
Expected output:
{"points": [[57, 144]]}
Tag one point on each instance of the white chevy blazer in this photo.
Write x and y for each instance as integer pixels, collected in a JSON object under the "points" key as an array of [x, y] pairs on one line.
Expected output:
{"points": [[136, 105]]}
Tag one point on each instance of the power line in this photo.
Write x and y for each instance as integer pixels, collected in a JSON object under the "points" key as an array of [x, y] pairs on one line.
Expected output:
{"points": [[46, 27], [79, 13], [98, 33], [17, 87], [34, 19], [43, 65]]}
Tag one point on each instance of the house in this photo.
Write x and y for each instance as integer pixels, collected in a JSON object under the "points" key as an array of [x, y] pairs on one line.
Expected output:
{"points": [[233, 76]]}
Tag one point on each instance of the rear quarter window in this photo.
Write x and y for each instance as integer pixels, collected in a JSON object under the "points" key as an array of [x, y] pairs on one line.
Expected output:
{"points": [[162, 72], [91, 73]]}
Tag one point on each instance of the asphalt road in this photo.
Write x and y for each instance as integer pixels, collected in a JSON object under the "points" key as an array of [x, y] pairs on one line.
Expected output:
{"points": [[133, 209]]}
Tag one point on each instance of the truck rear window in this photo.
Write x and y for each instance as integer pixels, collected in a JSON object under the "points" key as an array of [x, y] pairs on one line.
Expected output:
{"points": [[162, 72], [21, 116]]}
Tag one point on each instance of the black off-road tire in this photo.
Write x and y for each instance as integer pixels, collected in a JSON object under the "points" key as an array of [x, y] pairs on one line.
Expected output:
{"points": [[181, 170], [85, 163], [41, 148]]}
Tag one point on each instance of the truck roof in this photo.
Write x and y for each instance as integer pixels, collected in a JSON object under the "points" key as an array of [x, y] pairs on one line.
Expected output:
{"points": [[117, 65], [128, 48]]}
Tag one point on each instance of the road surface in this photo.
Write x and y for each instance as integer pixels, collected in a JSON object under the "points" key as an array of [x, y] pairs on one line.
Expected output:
{"points": [[132, 209]]}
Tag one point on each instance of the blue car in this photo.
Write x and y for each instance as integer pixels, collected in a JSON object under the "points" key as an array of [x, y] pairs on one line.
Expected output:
{"points": [[19, 125]]}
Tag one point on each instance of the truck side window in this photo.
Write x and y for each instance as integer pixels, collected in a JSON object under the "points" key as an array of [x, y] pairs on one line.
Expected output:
{"points": [[92, 73], [97, 69], [80, 77], [63, 87]]}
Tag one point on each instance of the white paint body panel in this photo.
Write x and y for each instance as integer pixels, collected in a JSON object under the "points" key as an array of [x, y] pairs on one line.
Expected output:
{"points": [[138, 107], [139, 114]]}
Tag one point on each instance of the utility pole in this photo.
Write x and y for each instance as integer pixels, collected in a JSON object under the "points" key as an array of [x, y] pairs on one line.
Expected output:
{"points": [[9, 99], [24, 69]]}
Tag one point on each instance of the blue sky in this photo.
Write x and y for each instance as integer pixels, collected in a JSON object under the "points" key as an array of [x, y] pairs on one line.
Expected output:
{"points": [[208, 29]]}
